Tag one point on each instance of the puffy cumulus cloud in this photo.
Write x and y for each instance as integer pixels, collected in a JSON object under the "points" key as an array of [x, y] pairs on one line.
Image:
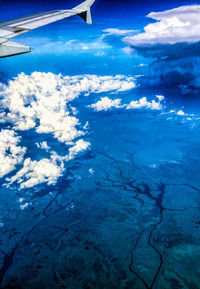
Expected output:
{"points": [[11, 154], [178, 25], [180, 112], [41, 100], [37, 172], [106, 104], [144, 103], [185, 116], [41, 97], [80, 146], [98, 84], [46, 170]]}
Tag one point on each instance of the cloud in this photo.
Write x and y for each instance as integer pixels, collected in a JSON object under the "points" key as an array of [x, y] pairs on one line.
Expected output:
{"points": [[178, 75], [119, 32], [113, 37], [174, 35], [180, 112], [43, 145], [178, 25], [24, 206], [11, 154], [106, 104], [37, 172], [142, 65], [127, 50], [79, 147], [172, 44], [144, 103], [41, 100], [82, 46], [62, 45], [91, 171], [46, 170]]}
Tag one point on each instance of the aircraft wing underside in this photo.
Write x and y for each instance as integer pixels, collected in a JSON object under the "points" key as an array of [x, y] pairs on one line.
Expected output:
{"points": [[12, 28]]}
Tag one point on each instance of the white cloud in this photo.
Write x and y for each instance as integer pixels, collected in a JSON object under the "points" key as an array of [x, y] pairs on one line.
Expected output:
{"points": [[186, 116], [142, 65], [160, 97], [91, 171], [177, 25], [98, 84], [77, 45], [119, 32], [24, 206], [40, 101], [43, 145], [144, 103], [79, 147], [180, 112], [11, 154], [37, 172], [106, 104]]}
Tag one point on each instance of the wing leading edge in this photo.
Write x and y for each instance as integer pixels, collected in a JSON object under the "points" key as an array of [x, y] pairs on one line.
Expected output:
{"points": [[12, 28]]}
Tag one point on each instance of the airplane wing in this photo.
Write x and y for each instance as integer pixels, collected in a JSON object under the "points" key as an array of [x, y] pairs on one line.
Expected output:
{"points": [[12, 28]]}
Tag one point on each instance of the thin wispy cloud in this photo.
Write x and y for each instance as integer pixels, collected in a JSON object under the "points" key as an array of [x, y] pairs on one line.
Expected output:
{"points": [[119, 32]]}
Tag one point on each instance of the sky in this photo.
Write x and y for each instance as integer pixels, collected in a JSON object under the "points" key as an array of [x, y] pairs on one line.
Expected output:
{"points": [[115, 10], [124, 15], [164, 47]]}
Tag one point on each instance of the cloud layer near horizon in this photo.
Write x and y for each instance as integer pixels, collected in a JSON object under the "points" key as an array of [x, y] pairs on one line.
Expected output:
{"points": [[178, 25], [172, 46]]}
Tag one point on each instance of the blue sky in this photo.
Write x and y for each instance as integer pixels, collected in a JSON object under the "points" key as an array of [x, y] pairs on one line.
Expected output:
{"points": [[117, 5], [119, 11], [89, 49]]}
